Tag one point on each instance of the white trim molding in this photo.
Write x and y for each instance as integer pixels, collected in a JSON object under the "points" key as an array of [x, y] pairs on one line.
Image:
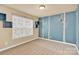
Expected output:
{"points": [[58, 41], [61, 42], [13, 46], [64, 27]]}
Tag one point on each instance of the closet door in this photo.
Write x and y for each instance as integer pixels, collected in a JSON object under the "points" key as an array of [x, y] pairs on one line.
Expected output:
{"points": [[43, 28], [56, 27], [70, 34]]}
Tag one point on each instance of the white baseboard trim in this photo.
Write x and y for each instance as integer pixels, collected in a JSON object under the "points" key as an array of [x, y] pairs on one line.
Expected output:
{"points": [[57, 41], [62, 42], [3, 49], [77, 49]]}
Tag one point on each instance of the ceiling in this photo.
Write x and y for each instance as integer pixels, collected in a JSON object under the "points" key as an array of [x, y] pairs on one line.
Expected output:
{"points": [[50, 9]]}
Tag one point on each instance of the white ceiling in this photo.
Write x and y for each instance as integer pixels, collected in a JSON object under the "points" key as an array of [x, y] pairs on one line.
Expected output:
{"points": [[50, 9]]}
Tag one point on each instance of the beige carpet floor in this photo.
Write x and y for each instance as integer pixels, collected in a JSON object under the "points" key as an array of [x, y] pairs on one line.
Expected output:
{"points": [[41, 47]]}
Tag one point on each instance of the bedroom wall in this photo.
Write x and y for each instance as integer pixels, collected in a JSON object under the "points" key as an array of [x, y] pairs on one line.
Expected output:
{"points": [[6, 33], [56, 24], [52, 27]]}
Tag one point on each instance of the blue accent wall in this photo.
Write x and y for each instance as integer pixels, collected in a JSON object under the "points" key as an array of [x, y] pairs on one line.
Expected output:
{"points": [[44, 27], [51, 27], [56, 27], [70, 27]]}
